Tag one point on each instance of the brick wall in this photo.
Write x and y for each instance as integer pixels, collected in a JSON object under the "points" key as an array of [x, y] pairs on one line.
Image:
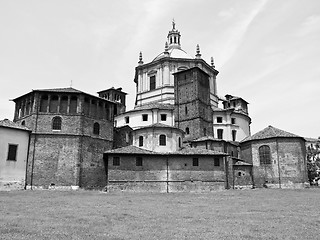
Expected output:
{"points": [[122, 137], [55, 161], [92, 173], [287, 167], [192, 101], [162, 173]]}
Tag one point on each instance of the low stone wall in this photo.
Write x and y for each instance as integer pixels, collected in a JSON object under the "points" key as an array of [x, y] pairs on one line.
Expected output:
{"points": [[195, 186], [59, 188], [133, 186], [11, 185], [288, 185], [163, 186]]}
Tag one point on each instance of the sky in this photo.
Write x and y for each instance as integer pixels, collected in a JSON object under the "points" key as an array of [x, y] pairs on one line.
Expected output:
{"points": [[266, 51]]}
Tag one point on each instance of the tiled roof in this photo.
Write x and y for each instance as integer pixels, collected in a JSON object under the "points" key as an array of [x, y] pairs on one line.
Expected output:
{"points": [[312, 139], [207, 138], [125, 126], [158, 125], [112, 88], [155, 105], [130, 150], [197, 151], [241, 163], [231, 97], [270, 132], [62, 90], [10, 124], [184, 151], [211, 138]]}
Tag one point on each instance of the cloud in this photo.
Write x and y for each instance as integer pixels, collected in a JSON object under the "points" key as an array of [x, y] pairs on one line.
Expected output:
{"points": [[309, 26], [226, 14], [235, 35]]}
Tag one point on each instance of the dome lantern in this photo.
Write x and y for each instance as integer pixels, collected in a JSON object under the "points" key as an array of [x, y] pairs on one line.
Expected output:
{"points": [[174, 37]]}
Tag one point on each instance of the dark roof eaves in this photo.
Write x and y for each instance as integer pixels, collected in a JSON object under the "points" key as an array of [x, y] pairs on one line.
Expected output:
{"points": [[258, 139], [73, 92]]}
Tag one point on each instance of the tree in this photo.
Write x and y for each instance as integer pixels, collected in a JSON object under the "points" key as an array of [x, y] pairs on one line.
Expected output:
{"points": [[313, 161]]}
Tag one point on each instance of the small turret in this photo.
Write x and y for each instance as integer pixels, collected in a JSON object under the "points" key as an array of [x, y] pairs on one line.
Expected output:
{"points": [[140, 59], [166, 50], [212, 63], [198, 55]]}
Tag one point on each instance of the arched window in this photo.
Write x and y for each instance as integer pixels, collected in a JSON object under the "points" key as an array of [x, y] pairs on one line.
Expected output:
{"points": [[140, 141], [96, 128], [179, 141], [23, 123], [162, 140], [264, 154], [56, 123], [187, 130]]}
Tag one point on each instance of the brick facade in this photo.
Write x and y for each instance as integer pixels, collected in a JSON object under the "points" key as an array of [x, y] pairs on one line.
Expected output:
{"points": [[287, 167], [165, 173], [192, 103], [72, 154]]}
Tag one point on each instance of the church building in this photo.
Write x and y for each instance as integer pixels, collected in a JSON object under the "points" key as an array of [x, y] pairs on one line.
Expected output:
{"points": [[180, 136]]}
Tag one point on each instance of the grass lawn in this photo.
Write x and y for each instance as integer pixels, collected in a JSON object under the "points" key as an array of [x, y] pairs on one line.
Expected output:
{"points": [[233, 214]]}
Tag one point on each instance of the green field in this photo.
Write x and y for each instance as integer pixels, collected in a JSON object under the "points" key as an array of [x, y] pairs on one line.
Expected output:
{"points": [[232, 214]]}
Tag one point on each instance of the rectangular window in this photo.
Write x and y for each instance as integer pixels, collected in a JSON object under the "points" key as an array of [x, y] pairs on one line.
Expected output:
{"points": [[233, 121], [234, 135], [152, 82], [163, 117], [195, 162], [139, 161], [216, 162], [126, 119], [116, 161], [219, 119], [144, 117], [220, 133], [12, 152]]}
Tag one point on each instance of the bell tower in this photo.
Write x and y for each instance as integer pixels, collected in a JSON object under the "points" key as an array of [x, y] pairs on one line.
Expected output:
{"points": [[193, 112]]}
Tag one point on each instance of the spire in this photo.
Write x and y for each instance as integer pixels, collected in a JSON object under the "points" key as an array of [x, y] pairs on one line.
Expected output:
{"points": [[174, 37], [212, 63], [198, 55], [140, 59]]}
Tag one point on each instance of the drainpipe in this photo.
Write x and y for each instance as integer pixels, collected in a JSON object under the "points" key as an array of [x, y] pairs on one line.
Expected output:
{"points": [[106, 168], [35, 140], [167, 160], [27, 162], [278, 159], [225, 149]]}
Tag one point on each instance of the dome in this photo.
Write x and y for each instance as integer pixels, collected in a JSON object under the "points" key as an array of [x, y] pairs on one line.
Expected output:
{"points": [[174, 53]]}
